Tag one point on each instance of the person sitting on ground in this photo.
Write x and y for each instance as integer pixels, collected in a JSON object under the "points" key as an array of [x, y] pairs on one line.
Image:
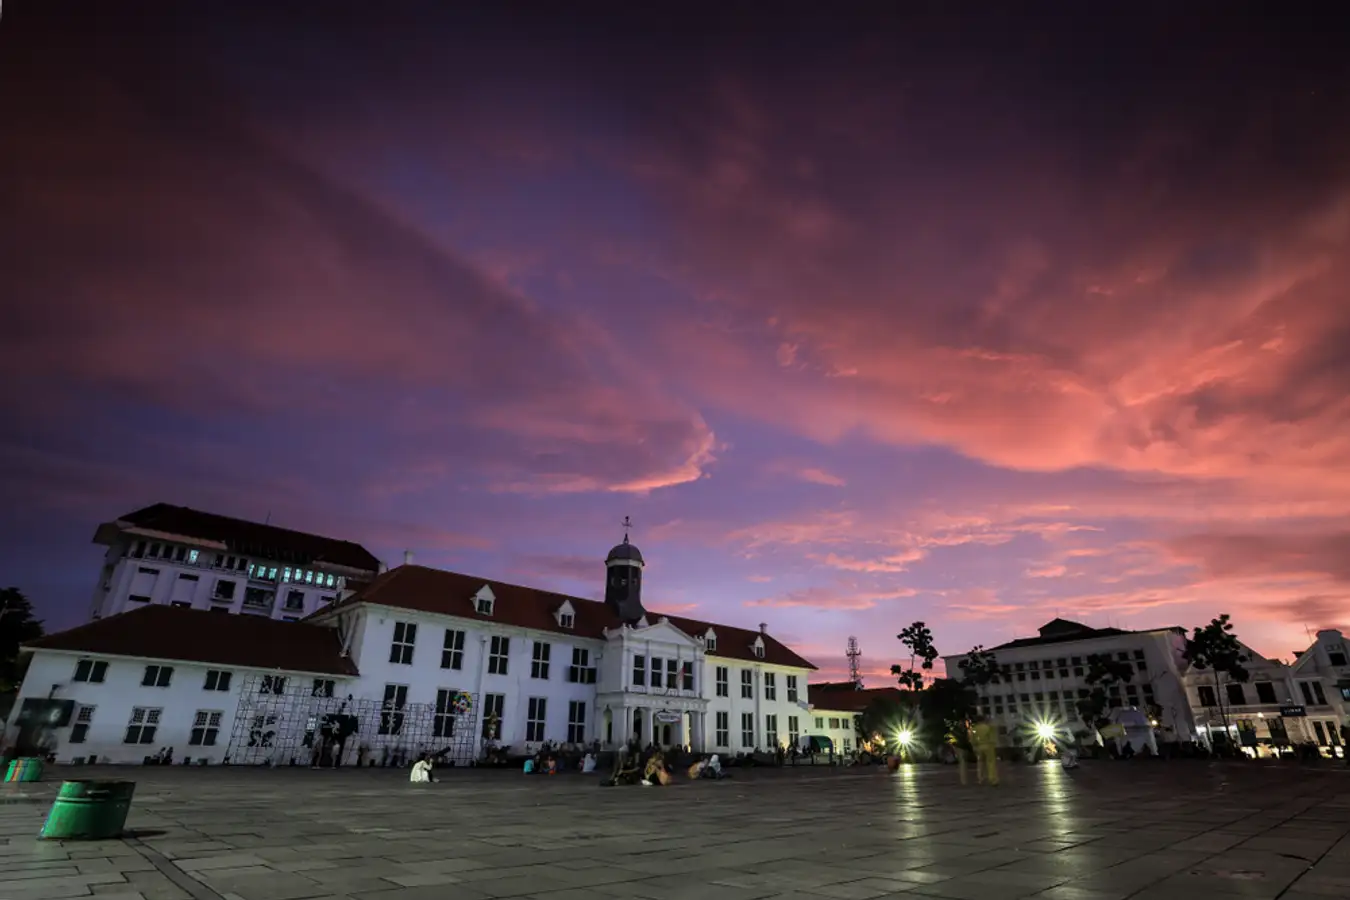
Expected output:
{"points": [[588, 764], [421, 771], [655, 773]]}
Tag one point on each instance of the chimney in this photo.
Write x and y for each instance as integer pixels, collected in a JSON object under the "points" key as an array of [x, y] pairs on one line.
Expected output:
{"points": [[763, 628], [407, 557]]}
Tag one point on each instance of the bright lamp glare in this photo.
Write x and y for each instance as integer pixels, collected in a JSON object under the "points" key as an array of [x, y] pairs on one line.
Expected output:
{"points": [[1045, 731], [905, 737]]}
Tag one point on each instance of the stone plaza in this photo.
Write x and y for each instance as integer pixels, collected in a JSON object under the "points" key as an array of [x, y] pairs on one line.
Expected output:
{"points": [[1107, 831]]}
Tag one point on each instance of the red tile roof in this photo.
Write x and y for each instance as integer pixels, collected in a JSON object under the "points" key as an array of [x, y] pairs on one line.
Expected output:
{"points": [[450, 593], [843, 697], [252, 538], [193, 635]]}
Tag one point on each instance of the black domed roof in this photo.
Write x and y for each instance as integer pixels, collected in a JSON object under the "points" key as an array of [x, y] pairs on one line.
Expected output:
{"points": [[624, 551]]}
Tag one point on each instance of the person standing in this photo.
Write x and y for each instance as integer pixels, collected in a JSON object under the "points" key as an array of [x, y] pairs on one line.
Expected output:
{"points": [[985, 739]]}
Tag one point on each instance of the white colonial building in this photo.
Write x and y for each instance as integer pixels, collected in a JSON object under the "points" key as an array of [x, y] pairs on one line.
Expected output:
{"points": [[1042, 678], [1280, 705], [196, 560], [418, 660]]}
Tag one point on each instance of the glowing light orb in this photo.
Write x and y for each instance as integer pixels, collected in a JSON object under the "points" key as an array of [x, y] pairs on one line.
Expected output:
{"points": [[905, 737], [1045, 731]]}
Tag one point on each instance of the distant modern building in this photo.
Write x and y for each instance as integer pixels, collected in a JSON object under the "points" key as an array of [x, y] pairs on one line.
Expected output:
{"points": [[179, 557], [1044, 677], [417, 660]]}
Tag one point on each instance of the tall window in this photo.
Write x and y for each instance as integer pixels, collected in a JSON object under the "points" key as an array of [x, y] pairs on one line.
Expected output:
{"points": [[687, 675], [770, 686], [143, 725], [205, 728], [723, 737], [748, 730], [1207, 696], [272, 684], [576, 721], [747, 685], [580, 672], [157, 676], [499, 652], [217, 681], [452, 650], [80, 730], [443, 722], [723, 688], [539, 661], [322, 687], [92, 671], [493, 707], [391, 711], [794, 731], [1236, 695], [656, 672], [639, 670], [672, 673], [771, 731], [401, 650], [534, 720], [792, 688]]}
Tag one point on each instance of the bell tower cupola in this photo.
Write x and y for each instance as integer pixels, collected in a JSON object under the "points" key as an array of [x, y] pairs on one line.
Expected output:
{"points": [[623, 579]]}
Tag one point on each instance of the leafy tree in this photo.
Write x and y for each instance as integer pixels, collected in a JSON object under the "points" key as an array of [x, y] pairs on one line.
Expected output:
{"points": [[1103, 673], [1216, 647], [18, 626], [980, 667], [944, 708], [919, 639]]}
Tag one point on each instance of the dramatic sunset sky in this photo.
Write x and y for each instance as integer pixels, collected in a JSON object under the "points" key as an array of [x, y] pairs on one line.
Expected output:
{"points": [[863, 318]]}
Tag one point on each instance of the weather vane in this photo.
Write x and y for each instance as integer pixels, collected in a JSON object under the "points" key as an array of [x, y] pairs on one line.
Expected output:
{"points": [[627, 527]]}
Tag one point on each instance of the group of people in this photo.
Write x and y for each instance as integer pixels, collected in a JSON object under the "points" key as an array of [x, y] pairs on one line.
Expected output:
{"points": [[657, 771]]}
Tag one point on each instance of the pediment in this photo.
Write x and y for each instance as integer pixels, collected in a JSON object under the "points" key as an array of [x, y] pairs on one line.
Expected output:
{"points": [[661, 632]]}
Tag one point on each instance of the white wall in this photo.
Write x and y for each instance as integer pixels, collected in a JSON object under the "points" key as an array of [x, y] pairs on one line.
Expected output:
{"points": [[1161, 657], [758, 705], [51, 674], [424, 676]]}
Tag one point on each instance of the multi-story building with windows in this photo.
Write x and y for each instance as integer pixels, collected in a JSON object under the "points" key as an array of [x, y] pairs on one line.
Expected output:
{"points": [[505, 663], [1280, 705], [196, 560], [1042, 678]]}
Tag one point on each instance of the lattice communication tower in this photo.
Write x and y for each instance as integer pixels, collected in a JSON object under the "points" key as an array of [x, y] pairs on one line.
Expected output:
{"points": [[289, 721], [854, 662]]}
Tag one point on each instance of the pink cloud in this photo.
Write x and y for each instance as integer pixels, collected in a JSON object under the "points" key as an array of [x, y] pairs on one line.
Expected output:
{"points": [[837, 598]]}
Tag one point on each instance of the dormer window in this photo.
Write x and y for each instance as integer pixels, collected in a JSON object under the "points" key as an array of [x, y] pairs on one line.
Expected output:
{"points": [[759, 650], [710, 641], [565, 615], [484, 600]]}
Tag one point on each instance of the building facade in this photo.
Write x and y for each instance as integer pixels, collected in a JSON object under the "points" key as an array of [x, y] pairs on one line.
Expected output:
{"points": [[195, 560], [420, 660], [1280, 706], [1042, 679]]}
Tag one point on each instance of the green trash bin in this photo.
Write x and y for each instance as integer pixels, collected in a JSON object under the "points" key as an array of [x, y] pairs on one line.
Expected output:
{"points": [[25, 769], [89, 811]]}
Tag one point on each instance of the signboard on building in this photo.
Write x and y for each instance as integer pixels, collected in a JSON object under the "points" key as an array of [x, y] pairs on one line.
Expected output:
{"points": [[1290, 711]]}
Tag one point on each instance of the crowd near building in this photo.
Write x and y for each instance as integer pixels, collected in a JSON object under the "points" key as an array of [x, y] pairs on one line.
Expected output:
{"points": [[212, 640]]}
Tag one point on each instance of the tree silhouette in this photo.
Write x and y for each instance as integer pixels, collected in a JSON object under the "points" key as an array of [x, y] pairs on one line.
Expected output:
{"points": [[18, 626], [1103, 673], [980, 667], [919, 639], [1216, 647]]}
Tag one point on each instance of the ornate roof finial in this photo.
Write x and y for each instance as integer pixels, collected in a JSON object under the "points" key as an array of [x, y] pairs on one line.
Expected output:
{"points": [[627, 526]]}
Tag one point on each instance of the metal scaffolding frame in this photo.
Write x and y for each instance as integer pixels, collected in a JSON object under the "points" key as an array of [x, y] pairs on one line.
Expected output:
{"points": [[282, 721]]}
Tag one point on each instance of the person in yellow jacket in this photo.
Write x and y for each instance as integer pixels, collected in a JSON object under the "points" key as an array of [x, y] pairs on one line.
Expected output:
{"points": [[984, 738]]}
